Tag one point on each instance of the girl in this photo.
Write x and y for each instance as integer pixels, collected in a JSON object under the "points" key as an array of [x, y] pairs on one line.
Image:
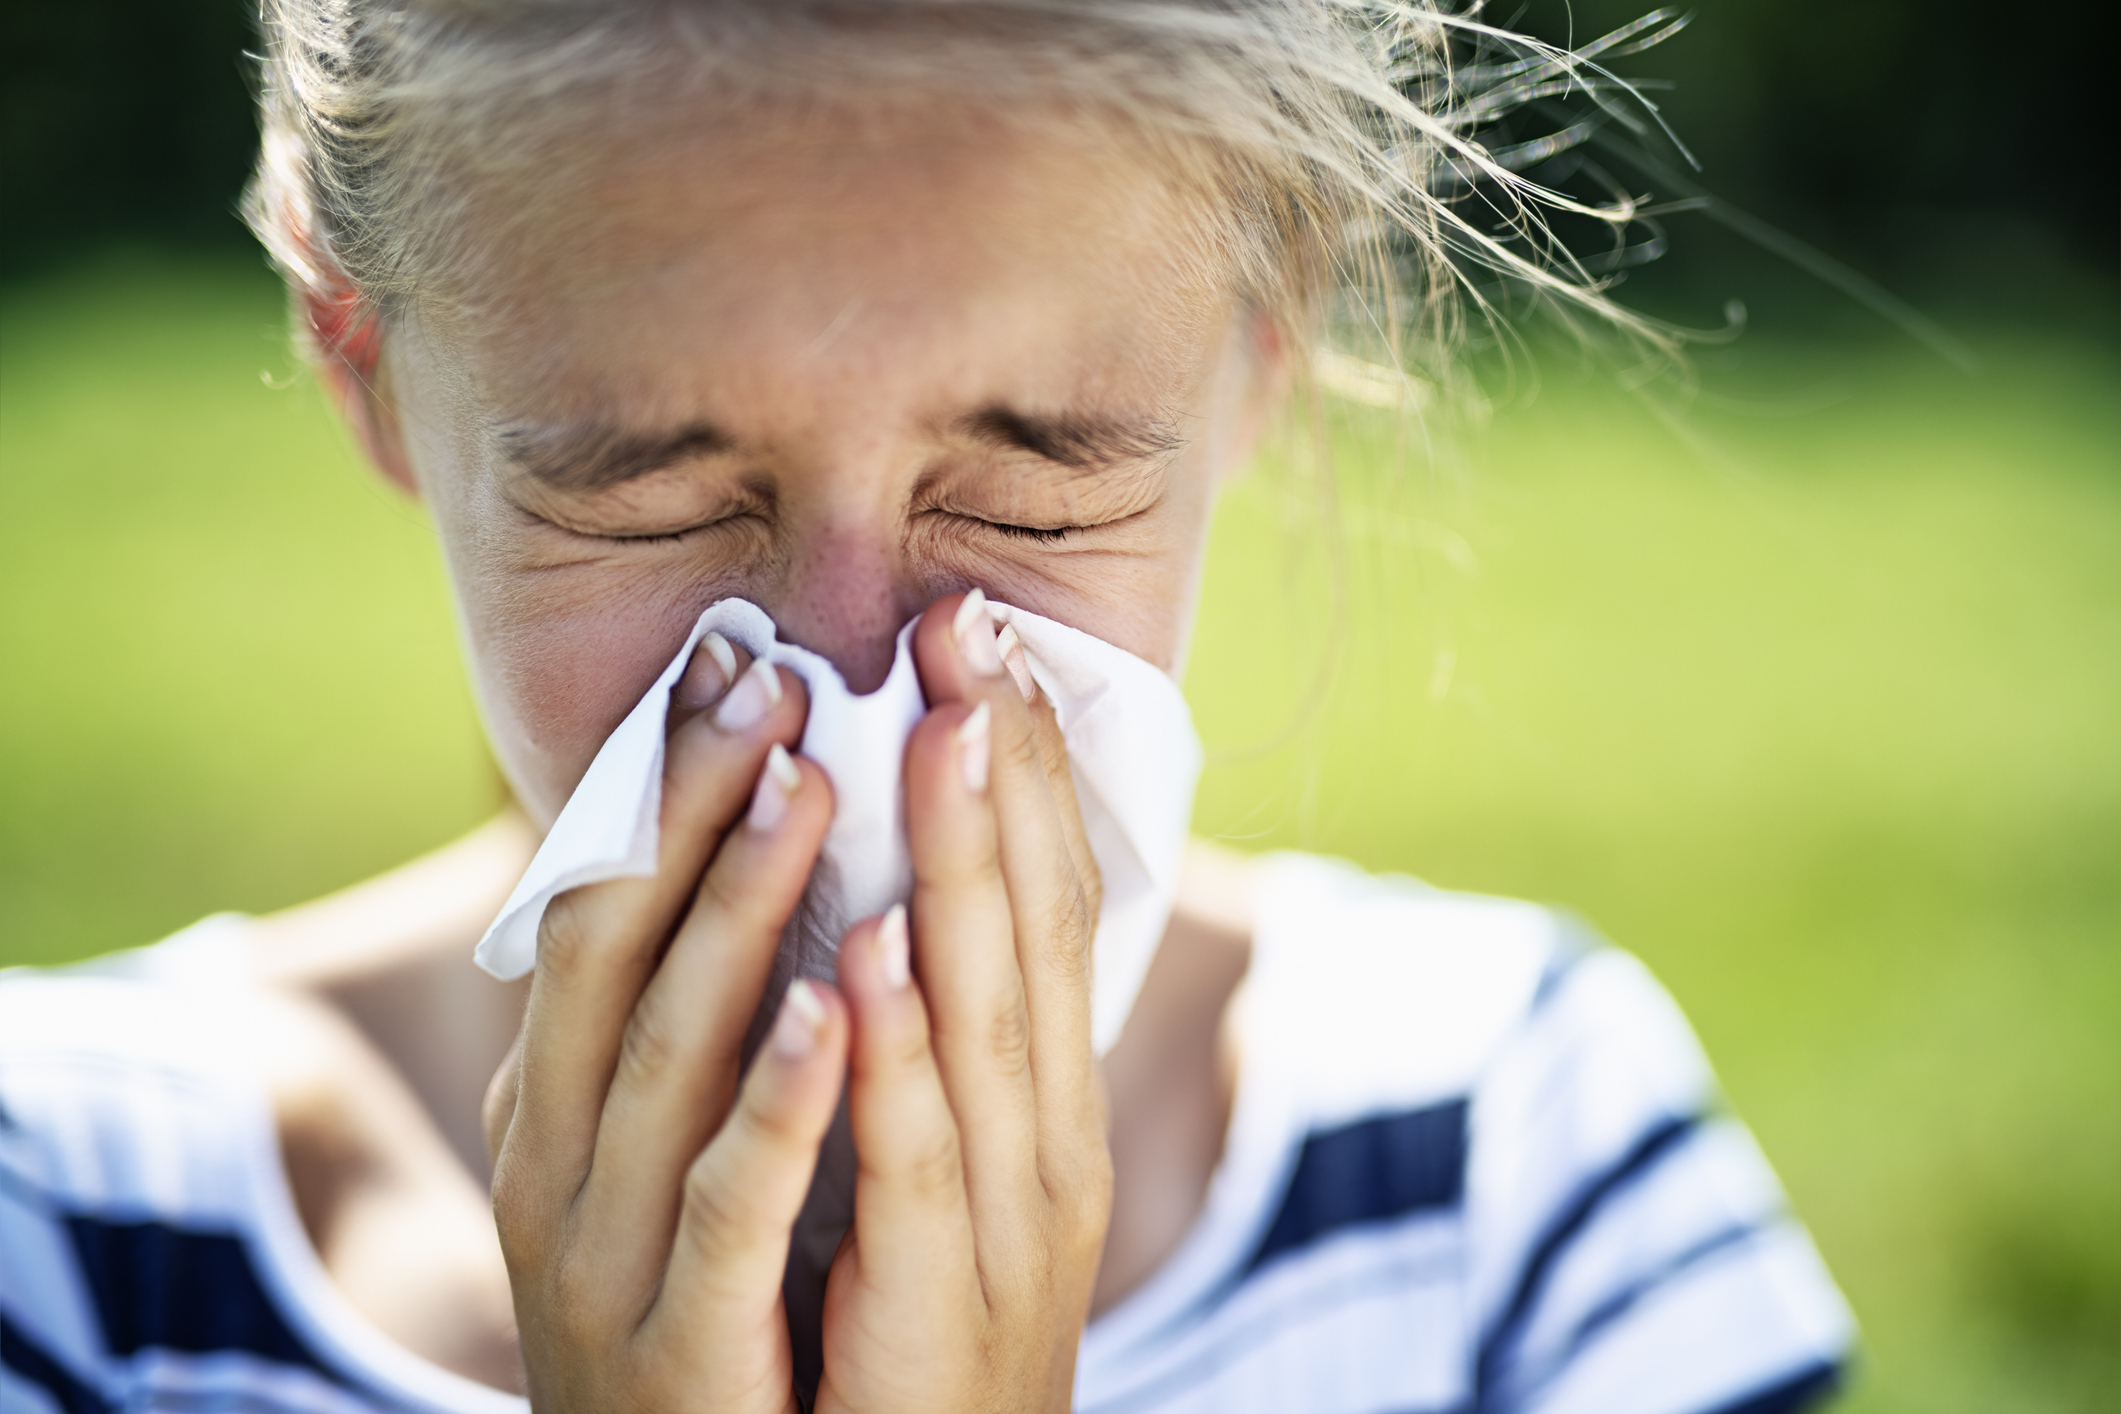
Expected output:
{"points": [[855, 310]]}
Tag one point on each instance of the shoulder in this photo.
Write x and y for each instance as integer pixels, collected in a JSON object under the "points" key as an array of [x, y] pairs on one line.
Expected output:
{"points": [[1381, 989], [104, 1064], [1495, 1064], [128, 1147], [150, 1251]]}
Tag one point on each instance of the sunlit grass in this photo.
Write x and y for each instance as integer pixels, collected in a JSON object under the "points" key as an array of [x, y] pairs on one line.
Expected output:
{"points": [[1824, 721]]}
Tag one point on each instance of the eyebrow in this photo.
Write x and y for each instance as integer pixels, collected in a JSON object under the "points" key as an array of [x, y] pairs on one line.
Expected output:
{"points": [[1085, 440], [595, 456]]}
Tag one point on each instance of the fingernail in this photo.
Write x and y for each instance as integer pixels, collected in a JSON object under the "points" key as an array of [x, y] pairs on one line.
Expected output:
{"points": [[756, 693], [973, 748], [1011, 649], [777, 784], [708, 675], [975, 636], [894, 949], [802, 1017]]}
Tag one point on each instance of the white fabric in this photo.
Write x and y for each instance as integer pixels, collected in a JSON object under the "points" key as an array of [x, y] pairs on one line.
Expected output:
{"points": [[1130, 743]]}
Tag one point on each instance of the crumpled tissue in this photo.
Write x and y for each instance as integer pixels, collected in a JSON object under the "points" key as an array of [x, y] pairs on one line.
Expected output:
{"points": [[1131, 749]]}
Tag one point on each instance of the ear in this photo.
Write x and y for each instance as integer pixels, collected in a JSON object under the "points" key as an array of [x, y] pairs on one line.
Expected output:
{"points": [[349, 365], [1268, 347], [1256, 377]]}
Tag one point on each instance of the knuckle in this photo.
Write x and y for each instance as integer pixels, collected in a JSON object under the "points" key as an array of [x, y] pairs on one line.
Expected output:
{"points": [[1021, 753], [649, 1048], [1070, 925], [722, 902], [1091, 881], [497, 1110], [519, 1218], [520, 1247], [910, 1052], [565, 937], [1079, 1190], [715, 1207], [764, 1128], [1093, 1207], [977, 863], [936, 1165], [1039, 1272], [1052, 744], [1081, 1249], [1009, 1038], [1077, 919]]}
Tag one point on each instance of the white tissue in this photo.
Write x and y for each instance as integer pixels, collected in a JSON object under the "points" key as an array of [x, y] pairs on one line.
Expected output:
{"points": [[1131, 748]]}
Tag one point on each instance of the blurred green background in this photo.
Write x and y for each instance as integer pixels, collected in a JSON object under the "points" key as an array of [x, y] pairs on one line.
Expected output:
{"points": [[1810, 695]]}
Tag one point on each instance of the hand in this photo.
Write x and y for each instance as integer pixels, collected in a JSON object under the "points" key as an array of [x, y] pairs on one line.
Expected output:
{"points": [[644, 1202], [984, 1185]]}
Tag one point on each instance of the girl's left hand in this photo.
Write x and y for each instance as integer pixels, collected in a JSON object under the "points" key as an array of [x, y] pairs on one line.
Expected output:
{"points": [[984, 1184]]}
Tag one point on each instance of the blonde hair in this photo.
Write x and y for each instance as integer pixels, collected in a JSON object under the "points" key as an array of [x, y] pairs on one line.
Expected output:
{"points": [[1344, 138]]}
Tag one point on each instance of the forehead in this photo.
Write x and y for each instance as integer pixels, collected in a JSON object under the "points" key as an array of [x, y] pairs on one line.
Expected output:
{"points": [[935, 242]]}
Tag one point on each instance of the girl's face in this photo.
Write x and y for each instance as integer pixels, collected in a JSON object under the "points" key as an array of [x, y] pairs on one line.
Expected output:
{"points": [[839, 373]]}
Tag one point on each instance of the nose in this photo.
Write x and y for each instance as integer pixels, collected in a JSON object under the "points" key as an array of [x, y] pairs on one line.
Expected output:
{"points": [[845, 597]]}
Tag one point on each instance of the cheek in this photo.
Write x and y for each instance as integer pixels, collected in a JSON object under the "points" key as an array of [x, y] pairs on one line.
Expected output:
{"points": [[557, 678], [559, 655]]}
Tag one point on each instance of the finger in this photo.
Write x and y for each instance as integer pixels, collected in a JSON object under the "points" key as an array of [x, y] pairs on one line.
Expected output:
{"points": [[744, 1191], [965, 956], [677, 1068], [1053, 752], [598, 945], [1051, 907], [715, 667], [910, 1204], [955, 666]]}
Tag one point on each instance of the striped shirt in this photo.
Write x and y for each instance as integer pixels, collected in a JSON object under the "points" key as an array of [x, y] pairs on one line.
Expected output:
{"points": [[1476, 1163]]}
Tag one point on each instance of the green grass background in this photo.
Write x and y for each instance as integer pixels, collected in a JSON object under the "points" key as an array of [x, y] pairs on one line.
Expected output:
{"points": [[1815, 703]]}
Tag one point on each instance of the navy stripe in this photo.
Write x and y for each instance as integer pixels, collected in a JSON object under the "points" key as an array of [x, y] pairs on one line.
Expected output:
{"points": [[1371, 1171], [161, 1286], [35, 1365], [1644, 1155], [1786, 1396]]}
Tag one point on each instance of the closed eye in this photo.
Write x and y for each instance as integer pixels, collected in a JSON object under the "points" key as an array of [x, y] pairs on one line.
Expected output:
{"points": [[724, 522], [1044, 535], [668, 537]]}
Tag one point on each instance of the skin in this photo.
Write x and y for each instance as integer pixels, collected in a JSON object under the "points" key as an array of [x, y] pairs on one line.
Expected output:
{"points": [[848, 371]]}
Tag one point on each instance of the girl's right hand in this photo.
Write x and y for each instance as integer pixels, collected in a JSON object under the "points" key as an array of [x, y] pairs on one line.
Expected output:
{"points": [[644, 1203]]}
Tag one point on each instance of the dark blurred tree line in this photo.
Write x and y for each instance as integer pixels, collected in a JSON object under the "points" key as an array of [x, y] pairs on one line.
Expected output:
{"points": [[1955, 153]]}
